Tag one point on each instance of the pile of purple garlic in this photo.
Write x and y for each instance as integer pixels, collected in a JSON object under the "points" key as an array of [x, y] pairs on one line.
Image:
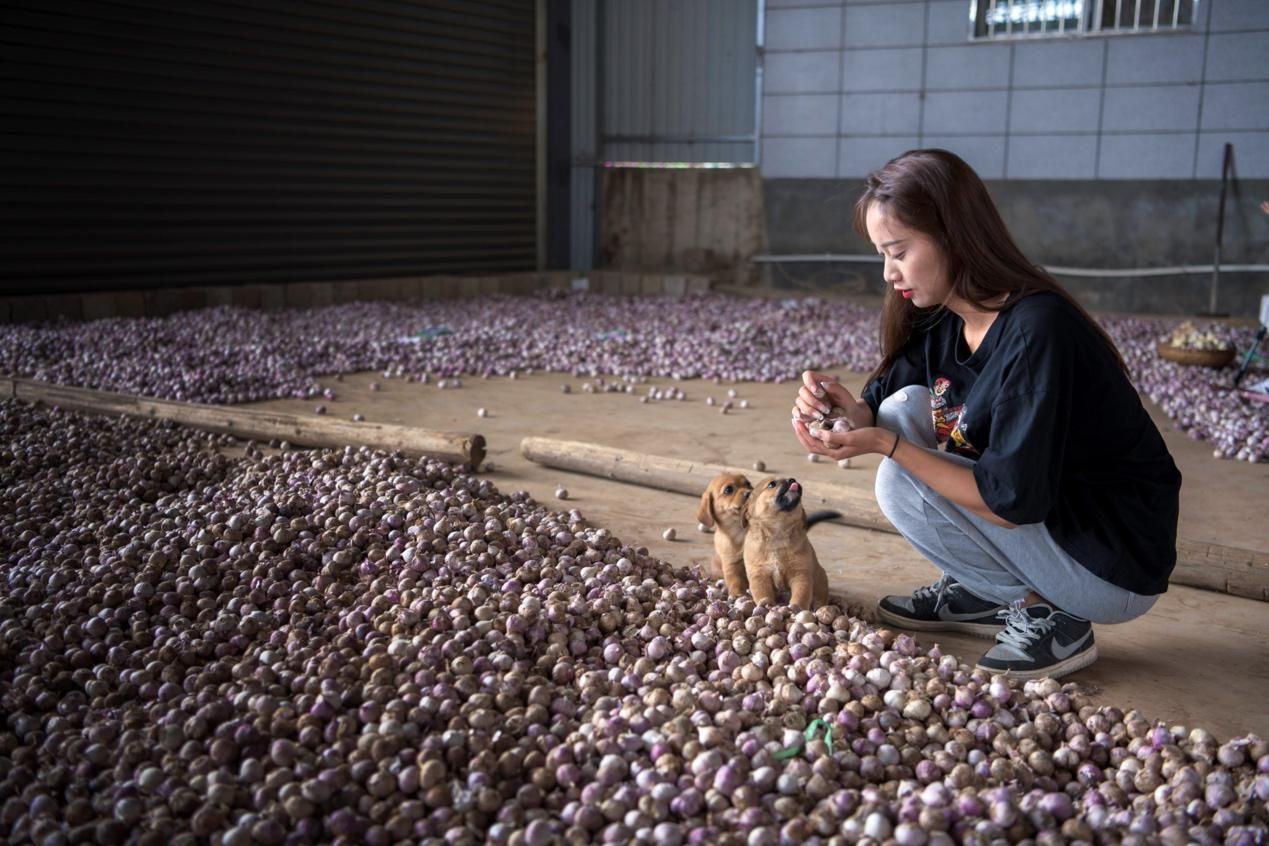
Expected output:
{"points": [[1200, 401], [350, 647], [232, 355]]}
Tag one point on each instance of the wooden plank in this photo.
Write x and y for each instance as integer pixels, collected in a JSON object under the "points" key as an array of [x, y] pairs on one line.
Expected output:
{"points": [[510, 283], [429, 288], [297, 294], [756, 242], [6, 388], [684, 219], [29, 310], [1228, 569], [248, 296], [160, 302], [449, 287], [530, 282], [656, 189], [562, 280], [413, 289], [98, 306], [219, 295], [379, 289], [690, 477], [614, 282], [257, 424], [1225, 569], [69, 306], [272, 296], [344, 292], [320, 294]]}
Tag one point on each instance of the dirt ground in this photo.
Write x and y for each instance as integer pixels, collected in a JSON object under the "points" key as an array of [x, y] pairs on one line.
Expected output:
{"points": [[1198, 658]]}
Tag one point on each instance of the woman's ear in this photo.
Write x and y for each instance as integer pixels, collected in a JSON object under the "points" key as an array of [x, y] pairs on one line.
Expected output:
{"points": [[705, 513]]}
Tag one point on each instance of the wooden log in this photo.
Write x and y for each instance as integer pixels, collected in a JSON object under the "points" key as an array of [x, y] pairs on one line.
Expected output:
{"points": [[1224, 569], [258, 424], [1228, 569], [689, 477]]}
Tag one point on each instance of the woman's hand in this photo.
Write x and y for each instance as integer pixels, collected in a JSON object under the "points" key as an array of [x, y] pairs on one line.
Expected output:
{"points": [[820, 392], [839, 445]]}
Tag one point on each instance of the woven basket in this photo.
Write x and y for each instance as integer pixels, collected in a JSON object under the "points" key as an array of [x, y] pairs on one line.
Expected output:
{"points": [[1201, 358]]}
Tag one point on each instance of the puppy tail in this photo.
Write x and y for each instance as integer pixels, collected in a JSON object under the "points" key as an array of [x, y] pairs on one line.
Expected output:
{"points": [[820, 516]]}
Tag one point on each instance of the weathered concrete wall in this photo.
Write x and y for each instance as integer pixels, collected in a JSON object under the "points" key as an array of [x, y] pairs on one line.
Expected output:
{"points": [[1094, 224], [693, 221]]}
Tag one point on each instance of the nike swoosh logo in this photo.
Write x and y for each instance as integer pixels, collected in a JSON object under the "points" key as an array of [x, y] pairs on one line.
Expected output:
{"points": [[954, 617], [1064, 652]]}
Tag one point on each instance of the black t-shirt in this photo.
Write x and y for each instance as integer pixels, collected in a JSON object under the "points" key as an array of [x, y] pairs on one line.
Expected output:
{"points": [[1057, 432]]}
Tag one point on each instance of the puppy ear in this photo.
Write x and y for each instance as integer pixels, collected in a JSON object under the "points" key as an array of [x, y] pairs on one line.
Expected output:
{"points": [[705, 513], [746, 511]]}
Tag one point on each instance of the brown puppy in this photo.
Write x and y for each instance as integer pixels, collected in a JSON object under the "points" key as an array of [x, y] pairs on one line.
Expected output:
{"points": [[722, 506], [778, 554]]}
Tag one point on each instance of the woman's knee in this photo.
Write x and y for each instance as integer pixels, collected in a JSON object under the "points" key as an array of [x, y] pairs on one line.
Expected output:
{"points": [[905, 412], [1096, 606], [897, 497], [1134, 606]]}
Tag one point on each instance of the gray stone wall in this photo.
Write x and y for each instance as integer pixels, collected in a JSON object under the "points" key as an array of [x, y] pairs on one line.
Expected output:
{"points": [[849, 84], [1070, 223], [1101, 150]]}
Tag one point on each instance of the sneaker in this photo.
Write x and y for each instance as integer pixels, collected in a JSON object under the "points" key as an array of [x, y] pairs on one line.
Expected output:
{"points": [[1040, 641], [943, 606]]}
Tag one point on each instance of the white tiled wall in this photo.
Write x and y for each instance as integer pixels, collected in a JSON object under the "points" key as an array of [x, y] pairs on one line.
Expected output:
{"points": [[849, 84]]}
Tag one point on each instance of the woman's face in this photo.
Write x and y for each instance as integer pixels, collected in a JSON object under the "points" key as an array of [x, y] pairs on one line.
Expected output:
{"points": [[914, 264]]}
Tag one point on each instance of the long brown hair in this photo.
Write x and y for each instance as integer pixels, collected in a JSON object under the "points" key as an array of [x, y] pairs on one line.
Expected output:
{"points": [[936, 193]]}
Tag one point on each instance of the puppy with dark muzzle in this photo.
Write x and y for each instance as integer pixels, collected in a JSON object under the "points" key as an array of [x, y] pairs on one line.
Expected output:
{"points": [[722, 508], [778, 554]]}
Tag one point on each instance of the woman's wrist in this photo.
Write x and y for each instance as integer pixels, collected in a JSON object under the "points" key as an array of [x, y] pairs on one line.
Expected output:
{"points": [[863, 416], [885, 443]]}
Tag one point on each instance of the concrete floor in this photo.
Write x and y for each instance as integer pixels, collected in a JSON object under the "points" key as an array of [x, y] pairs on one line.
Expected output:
{"points": [[1197, 659]]}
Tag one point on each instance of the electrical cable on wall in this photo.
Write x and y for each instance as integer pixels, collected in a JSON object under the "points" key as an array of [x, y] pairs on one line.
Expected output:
{"points": [[1057, 270]]}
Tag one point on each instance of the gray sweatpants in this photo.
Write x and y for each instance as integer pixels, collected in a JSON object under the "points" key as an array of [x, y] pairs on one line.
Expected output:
{"points": [[991, 561]]}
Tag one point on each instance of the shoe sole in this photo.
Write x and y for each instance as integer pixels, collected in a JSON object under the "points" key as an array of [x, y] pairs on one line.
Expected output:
{"points": [[1078, 661], [985, 630]]}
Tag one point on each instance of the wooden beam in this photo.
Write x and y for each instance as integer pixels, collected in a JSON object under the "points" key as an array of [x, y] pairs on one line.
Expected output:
{"points": [[1228, 569], [1225, 569], [257, 424], [689, 477]]}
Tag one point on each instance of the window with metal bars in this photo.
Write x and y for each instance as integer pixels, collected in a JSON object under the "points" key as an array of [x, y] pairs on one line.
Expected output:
{"points": [[999, 19]]}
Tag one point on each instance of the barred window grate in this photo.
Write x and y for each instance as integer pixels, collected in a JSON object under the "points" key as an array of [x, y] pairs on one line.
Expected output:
{"points": [[1143, 15], [1002, 19]]}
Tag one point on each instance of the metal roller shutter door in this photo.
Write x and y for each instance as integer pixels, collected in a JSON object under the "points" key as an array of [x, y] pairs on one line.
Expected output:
{"points": [[151, 144]]}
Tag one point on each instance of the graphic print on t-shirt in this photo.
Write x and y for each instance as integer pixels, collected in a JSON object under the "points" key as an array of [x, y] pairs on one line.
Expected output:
{"points": [[947, 418], [958, 442]]}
